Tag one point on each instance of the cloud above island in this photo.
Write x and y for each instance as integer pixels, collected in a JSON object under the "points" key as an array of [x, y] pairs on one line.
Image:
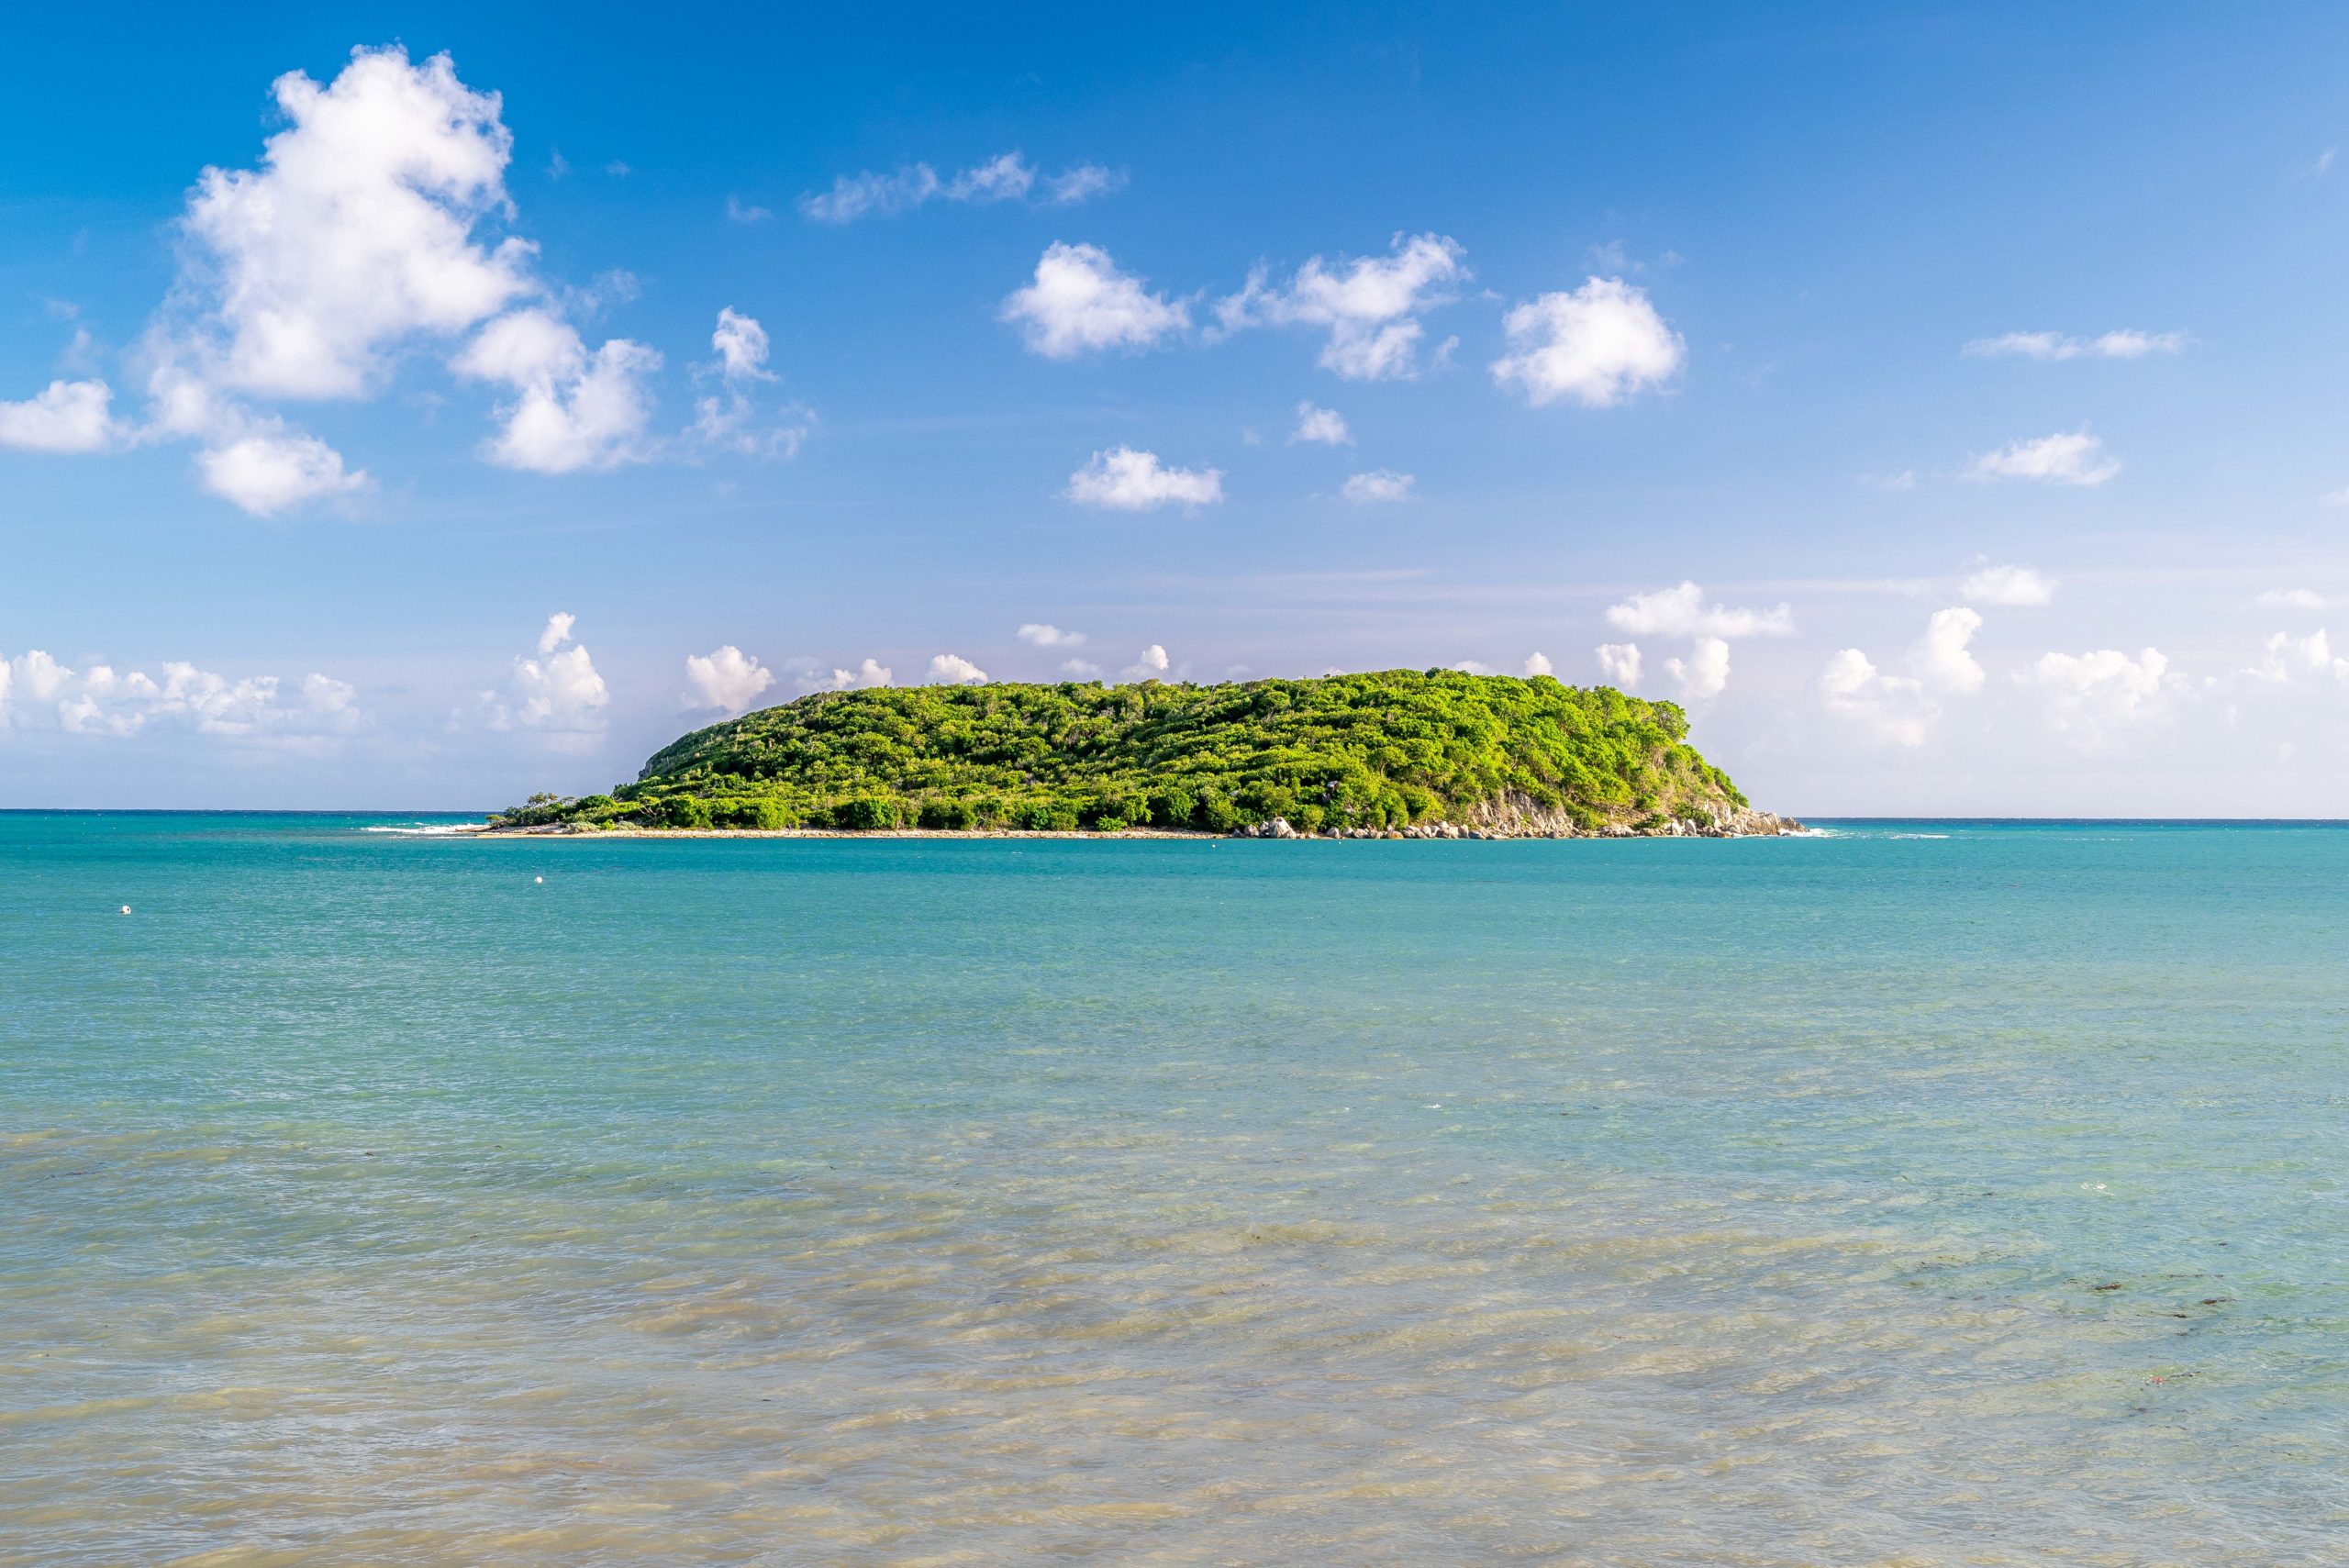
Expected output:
{"points": [[558, 694], [1683, 611], [724, 679]]}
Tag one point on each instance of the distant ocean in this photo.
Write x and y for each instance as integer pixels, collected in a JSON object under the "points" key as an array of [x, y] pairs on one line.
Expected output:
{"points": [[1918, 1192]]}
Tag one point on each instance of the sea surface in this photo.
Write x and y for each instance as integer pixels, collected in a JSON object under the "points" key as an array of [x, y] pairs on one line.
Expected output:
{"points": [[1913, 1195]]}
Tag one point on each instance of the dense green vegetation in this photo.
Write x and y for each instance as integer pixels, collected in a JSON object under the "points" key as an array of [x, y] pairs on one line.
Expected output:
{"points": [[1370, 750]]}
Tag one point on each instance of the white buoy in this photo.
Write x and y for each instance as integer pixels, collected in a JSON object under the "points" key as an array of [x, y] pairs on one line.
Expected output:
{"points": [[126, 908], [539, 880]]}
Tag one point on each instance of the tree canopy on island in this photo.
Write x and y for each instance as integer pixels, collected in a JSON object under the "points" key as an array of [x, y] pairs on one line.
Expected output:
{"points": [[1382, 750]]}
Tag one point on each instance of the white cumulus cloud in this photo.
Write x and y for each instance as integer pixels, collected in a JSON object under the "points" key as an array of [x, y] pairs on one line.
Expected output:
{"points": [[953, 670], [1037, 634], [1900, 708], [323, 693], [1081, 303], [271, 468], [1378, 484], [1619, 664], [814, 677], [573, 409], [729, 419], [1683, 612], [1892, 706], [64, 417], [742, 345], [1148, 665], [304, 277], [1705, 673], [2094, 699], [1537, 663], [558, 693], [38, 693], [726, 679], [2007, 587], [356, 231], [2072, 457], [1597, 345], [365, 233], [1125, 480], [1370, 306], [2288, 656], [1326, 425], [1943, 658]]}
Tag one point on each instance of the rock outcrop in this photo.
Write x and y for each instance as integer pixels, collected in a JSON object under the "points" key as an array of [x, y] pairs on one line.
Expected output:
{"points": [[1520, 817]]}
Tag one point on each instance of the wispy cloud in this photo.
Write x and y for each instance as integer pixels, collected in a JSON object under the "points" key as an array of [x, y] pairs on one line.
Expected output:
{"points": [[1370, 306], [2072, 457], [2007, 587], [1007, 177], [1380, 484], [2125, 344]]}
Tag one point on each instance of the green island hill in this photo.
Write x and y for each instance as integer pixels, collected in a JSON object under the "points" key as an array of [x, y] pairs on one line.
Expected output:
{"points": [[1419, 754]]}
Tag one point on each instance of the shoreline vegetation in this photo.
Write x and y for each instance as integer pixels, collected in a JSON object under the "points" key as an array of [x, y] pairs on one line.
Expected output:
{"points": [[1395, 754]]}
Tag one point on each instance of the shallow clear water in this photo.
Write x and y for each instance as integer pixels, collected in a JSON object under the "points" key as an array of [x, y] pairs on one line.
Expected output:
{"points": [[1919, 1195]]}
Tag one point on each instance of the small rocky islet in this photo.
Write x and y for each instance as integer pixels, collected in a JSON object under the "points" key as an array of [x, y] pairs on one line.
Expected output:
{"points": [[1389, 754]]}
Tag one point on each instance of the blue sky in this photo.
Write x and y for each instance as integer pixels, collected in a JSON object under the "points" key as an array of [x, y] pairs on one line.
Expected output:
{"points": [[1978, 367]]}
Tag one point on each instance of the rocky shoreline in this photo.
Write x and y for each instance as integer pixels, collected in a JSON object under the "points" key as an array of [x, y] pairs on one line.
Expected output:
{"points": [[1486, 823], [1739, 823]]}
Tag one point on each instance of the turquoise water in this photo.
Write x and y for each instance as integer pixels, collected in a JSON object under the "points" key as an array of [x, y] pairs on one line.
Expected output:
{"points": [[1914, 1194]]}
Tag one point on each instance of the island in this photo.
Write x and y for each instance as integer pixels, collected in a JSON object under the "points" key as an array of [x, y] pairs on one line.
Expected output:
{"points": [[1397, 753]]}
